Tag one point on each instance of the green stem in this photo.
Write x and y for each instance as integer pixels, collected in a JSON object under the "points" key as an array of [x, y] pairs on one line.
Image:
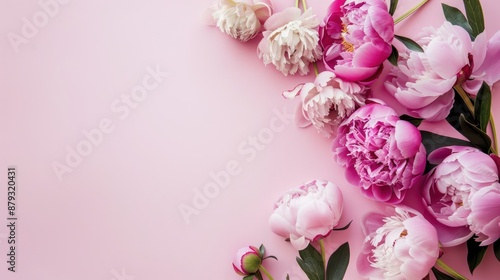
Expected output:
{"points": [[410, 12], [323, 254], [450, 270], [494, 147], [264, 270], [465, 98], [296, 3], [315, 66], [304, 6]]}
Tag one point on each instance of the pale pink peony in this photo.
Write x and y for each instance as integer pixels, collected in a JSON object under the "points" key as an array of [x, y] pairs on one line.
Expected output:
{"points": [[290, 41], [484, 219], [423, 82], [327, 102], [458, 181], [240, 19], [307, 213], [383, 155], [356, 38], [460, 172], [402, 246]]}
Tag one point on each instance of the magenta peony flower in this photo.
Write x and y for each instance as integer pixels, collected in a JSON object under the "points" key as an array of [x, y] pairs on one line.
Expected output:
{"points": [[463, 178], [247, 261], [327, 102], [402, 246], [290, 41], [240, 19], [356, 38], [382, 154], [484, 219], [423, 82], [307, 213]]}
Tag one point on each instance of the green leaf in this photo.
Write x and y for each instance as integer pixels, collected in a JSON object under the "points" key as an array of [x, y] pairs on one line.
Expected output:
{"points": [[409, 43], [249, 277], [496, 249], [477, 137], [270, 257], [311, 263], [432, 141], [456, 17], [258, 275], [457, 109], [415, 121], [338, 262], [475, 254], [482, 106], [441, 275], [393, 58], [392, 7], [344, 227], [475, 16], [262, 250]]}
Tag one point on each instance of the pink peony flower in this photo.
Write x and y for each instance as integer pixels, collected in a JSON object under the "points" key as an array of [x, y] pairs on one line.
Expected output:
{"points": [[240, 19], [290, 41], [356, 38], [307, 213], [423, 82], [327, 102], [484, 219], [402, 246], [247, 261], [461, 171], [458, 190], [382, 154]]}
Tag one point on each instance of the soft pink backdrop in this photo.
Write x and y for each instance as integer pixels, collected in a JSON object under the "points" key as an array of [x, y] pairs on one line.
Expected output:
{"points": [[116, 213]]}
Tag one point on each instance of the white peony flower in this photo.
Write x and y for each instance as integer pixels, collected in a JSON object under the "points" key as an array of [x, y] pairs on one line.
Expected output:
{"points": [[327, 102], [291, 41], [241, 20]]}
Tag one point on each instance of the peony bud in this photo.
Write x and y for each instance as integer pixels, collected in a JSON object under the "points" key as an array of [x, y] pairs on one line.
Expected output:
{"points": [[247, 261]]}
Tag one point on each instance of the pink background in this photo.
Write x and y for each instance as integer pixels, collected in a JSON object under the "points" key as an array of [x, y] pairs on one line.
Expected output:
{"points": [[117, 212]]}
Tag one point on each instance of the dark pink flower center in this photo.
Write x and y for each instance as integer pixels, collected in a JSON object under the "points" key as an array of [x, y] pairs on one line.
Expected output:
{"points": [[465, 73]]}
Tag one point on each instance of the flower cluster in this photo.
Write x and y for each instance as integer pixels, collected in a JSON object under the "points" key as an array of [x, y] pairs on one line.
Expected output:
{"points": [[442, 74]]}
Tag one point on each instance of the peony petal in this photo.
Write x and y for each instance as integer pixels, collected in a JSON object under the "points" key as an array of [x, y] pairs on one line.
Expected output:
{"points": [[294, 92], [408, 138], [446, 59], [279, 19], [280, 226], [314, 219], [371, 55], [354, 74], [299, 243], [381, 24], [300, 117], [491, 64], [263, 9]]}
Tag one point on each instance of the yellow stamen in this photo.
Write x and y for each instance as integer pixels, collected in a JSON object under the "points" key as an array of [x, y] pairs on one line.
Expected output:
{"points": [[347, 46]]}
